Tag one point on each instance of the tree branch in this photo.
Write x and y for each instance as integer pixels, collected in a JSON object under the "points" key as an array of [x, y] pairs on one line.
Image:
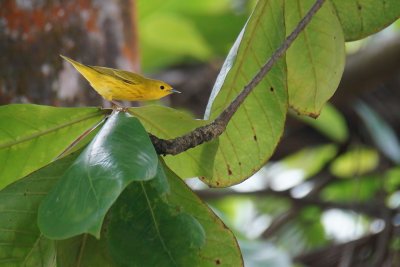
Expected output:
{"points": [[372, 208], [217, 127]]}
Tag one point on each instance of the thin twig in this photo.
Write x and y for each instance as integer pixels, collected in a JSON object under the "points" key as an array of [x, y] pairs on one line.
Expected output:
{"points": [[217, 127]]}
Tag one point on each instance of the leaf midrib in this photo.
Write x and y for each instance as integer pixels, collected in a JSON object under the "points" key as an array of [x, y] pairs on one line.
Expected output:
{"points": [[156, 225], [48, 131]]}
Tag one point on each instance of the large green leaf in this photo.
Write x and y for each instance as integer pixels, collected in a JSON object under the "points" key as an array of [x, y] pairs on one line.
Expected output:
{"points": [[255, 129], [155, 225], [146, 230], [360, 18], [221, 248], [21, 243], [315, 61], [119, 154], [84, 251], [31, 136]]}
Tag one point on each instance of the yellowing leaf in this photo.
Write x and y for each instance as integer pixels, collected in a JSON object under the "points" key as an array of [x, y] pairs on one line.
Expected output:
{"points": [[315, 61]]}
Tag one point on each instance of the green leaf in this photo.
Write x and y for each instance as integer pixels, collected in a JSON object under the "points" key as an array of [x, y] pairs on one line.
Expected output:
{"points": [[169, 123], [308, 161], [355, 162], [119, 154], [350, 190], [330, 122], [392, 179], [315, 61], [22, 244], [255, 129], [364, 17], [146, 230], [183, 41], [32, 136], [84, 250], [184, 27], [221, 248]]}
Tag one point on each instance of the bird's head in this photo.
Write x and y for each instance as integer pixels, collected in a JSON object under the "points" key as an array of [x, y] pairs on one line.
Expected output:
{"points": [[162, 89]]}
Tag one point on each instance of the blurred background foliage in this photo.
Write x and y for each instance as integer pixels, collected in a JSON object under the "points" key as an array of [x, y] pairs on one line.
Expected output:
{"points": [[330, 196]]}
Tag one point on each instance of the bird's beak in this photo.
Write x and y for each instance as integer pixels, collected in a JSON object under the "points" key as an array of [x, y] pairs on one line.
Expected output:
{"points": [[174, 91]]}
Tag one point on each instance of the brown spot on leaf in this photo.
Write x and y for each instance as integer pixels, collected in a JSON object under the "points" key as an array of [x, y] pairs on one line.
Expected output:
{"points": [[217, 183], [178, 209], [271, 89], [359, 7], [255, 138], [217, 261], [229, 169], [313, 115]]}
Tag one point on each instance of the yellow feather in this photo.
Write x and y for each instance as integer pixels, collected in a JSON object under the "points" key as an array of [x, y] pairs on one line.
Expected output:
{"points": [[114, 84]]}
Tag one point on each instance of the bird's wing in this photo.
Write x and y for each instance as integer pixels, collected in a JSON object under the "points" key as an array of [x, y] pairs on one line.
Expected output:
{"points": [[129, 76], [103, 70], [125, 76]]}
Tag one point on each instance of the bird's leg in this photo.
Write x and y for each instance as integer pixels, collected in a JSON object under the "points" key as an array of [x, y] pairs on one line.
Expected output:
{"points": [[118, 106]]}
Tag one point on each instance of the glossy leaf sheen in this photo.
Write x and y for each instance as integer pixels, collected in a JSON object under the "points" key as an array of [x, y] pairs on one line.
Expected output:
{"points": [[119, 154], [32, 136], [364, 17], [315, 61], [146, 230], [22, 244]]}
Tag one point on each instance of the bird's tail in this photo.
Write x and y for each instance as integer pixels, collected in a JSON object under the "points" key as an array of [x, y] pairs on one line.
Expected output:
{"points": [[86, 71]]}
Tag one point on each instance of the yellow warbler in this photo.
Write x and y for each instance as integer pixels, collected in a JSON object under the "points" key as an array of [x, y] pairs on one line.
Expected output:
{"points": [[113, 84]]}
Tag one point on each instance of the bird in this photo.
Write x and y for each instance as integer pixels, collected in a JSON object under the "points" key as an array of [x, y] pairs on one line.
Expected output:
{"points": [[114, 84]]}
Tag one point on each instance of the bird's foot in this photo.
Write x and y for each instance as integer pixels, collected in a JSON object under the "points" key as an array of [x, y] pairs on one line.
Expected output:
{"points": [[118, 106]]}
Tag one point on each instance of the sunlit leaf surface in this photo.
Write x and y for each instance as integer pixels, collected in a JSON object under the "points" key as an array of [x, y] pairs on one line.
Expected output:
{"points": [[32, 136]]}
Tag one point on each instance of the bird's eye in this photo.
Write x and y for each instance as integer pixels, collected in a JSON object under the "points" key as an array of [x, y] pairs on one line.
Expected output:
{"points": [[162, 87]]}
